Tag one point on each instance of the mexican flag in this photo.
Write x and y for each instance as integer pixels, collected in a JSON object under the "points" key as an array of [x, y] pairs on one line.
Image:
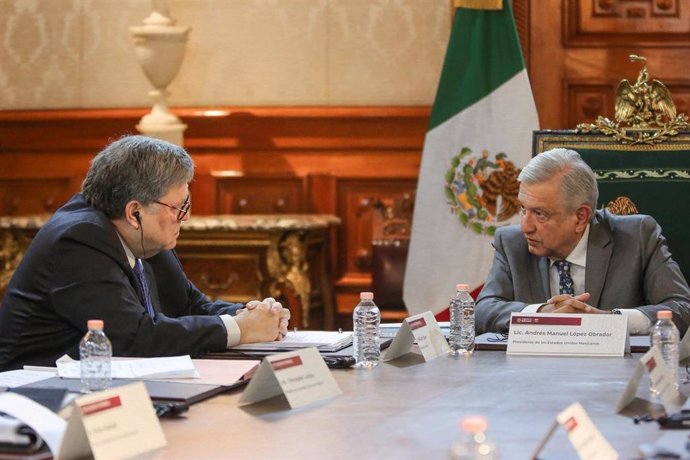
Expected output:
{"points": [[480, 135]]}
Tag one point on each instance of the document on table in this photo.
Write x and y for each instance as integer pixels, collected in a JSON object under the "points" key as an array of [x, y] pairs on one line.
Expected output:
{"points": [[171, 367], [19, 377], [322, 340]]}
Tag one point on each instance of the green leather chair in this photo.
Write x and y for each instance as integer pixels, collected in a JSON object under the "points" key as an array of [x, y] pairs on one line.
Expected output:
{"points": [[655, 178]]}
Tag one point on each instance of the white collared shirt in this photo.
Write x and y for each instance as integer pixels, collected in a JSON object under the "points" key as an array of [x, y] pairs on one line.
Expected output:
{"points": [[638, 323], [231, 328]]}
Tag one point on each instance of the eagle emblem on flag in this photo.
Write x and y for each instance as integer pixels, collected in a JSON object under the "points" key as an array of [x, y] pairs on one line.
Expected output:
{"points": [[482, 190]]}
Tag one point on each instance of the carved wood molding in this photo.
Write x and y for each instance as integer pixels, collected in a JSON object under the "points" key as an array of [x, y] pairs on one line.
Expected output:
{"points": [[224, 128], [642, 23]]}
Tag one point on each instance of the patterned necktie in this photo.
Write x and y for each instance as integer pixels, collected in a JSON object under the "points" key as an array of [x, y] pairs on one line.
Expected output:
{"points": [[565, 285], [143, 287]]}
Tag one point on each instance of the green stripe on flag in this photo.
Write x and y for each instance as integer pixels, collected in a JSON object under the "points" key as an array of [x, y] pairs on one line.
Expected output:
{"points": [[483, 53]]}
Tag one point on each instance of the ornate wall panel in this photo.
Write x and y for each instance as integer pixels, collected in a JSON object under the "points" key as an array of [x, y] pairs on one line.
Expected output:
{"points": [[576, 63], [33, 195], [360, 202], [624, 22], [260, 195], [587, 101]]}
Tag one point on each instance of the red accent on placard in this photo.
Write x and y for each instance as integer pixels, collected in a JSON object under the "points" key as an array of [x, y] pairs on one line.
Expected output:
{"points": [[570, 424], [98, 406], [416, 324], [547, 320], [286, 362], [651, 364]]}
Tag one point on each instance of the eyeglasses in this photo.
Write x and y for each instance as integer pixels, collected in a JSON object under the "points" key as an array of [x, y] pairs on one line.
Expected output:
{"points": [[181, 212]]}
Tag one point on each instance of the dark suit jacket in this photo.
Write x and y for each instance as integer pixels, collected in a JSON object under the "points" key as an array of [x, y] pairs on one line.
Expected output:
{"points": [[76, 269], [628, 266]]}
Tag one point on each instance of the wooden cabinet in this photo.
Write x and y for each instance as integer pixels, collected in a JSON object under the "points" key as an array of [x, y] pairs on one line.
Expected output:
{"points": [[245, 257], [234, 258]]}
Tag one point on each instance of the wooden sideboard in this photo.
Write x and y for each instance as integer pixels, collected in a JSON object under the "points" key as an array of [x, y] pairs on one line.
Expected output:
{"points": [[235, 258]]}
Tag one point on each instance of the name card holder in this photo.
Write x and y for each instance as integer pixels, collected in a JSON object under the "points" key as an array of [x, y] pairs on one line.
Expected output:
{"points": [[587, 440], [424, 329], [661, 378], [114, 424], [568, 335], [302, 376]]}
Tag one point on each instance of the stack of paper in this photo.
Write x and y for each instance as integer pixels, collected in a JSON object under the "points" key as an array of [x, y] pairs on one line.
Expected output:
{"points": [[323, 340], [172, 367]]}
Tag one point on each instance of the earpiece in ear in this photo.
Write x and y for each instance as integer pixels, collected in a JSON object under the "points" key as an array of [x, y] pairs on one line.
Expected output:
{"points": [[137, 216]]}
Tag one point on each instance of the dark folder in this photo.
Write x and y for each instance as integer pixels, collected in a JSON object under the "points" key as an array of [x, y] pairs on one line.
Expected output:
{"points": [[188, 393]]}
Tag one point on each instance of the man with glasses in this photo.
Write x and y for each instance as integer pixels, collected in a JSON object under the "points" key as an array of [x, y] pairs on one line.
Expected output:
{"points": [[107, 254], [565, 257]]}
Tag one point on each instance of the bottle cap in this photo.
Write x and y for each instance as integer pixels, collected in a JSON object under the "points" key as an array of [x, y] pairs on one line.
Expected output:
{"points": [[462, 287], [366, 296], [664, 314], [473, 424], [95, 324]]}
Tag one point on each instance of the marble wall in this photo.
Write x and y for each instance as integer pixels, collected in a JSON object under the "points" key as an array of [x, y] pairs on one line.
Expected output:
{"points": [[79, 54]]}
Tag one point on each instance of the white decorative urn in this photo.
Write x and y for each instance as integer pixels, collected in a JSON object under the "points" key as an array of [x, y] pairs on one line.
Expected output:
{"points": [[160, 47]]}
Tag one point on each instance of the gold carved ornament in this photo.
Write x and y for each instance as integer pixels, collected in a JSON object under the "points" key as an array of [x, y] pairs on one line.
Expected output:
{"points": [[287, 264], [644, 112], [12, 250]]}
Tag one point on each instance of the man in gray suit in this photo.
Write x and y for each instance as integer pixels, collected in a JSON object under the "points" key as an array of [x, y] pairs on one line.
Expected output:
{"points": [[565, 257]]}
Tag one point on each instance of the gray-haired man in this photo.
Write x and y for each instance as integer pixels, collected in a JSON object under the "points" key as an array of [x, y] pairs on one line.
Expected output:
{"points": [[565, 257]]}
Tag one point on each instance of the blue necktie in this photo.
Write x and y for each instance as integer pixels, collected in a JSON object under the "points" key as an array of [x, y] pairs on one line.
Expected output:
{"points": [[565, 285], [143, 287]]}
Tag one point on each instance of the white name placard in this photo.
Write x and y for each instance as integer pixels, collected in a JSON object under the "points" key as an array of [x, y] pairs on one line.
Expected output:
{"points": [[587, 440], [302, 376], [114, 424], [567, 334], [425, 330]]}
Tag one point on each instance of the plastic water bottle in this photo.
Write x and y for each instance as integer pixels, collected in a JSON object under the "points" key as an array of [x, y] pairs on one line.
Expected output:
{"points": [[365, 342], [95, 353], [666, 337], [461, 337], [472, 444]]}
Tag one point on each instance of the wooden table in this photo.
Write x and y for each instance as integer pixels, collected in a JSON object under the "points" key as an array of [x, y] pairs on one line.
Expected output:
{"points": [[410, 409]]}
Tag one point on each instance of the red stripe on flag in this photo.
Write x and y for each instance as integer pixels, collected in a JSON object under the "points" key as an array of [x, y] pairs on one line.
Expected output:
{"points": [[445, 314]]}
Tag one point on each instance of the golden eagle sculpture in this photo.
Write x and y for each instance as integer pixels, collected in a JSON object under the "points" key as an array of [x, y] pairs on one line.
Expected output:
{"points": [[644, 112], [643, 104]]}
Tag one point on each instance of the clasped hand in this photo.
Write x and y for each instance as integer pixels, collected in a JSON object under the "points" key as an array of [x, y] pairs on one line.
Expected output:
{"points": [[262, 321], [565, 303]]}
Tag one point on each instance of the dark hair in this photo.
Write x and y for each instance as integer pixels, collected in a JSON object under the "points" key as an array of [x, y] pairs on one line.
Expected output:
{"points": [[135, 168]]}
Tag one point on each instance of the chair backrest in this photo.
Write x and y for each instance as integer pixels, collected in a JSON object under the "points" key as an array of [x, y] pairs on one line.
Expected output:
{"points": [[390, 244], [643, 178]]}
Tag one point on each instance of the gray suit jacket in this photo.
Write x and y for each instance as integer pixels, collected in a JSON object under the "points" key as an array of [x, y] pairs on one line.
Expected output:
{"points": [[628, 266]]}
